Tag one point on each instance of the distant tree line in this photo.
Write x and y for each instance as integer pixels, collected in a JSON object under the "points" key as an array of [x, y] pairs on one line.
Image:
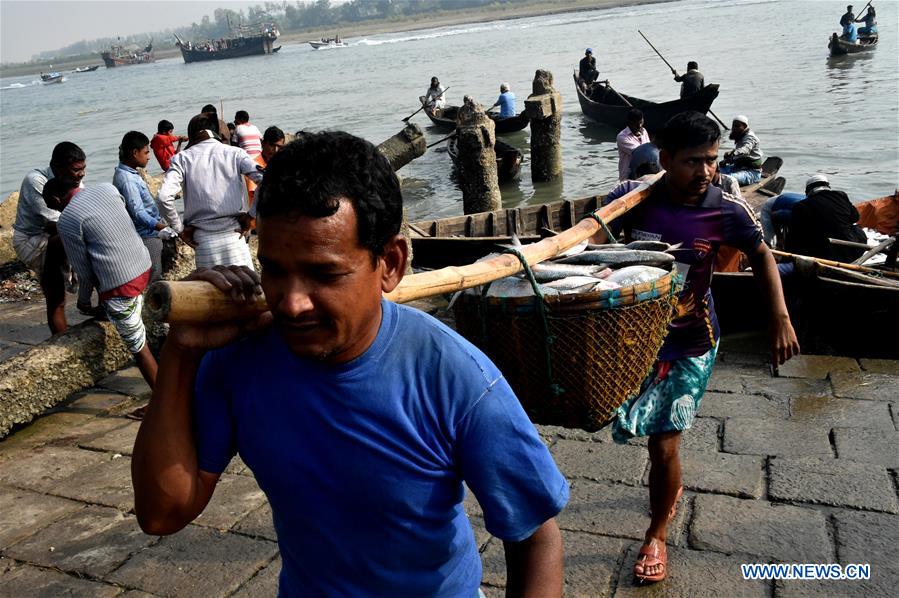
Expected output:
{"points": [[289, 16]]}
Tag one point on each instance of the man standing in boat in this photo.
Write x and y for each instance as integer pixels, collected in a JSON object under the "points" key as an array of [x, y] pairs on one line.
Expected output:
{"points": [[744, 162], [685, 208], [363, 417], [691, 82]]}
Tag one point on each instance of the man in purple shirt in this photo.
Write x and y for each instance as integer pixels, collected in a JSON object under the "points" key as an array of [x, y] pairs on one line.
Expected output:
{"points": [[684, 207]]}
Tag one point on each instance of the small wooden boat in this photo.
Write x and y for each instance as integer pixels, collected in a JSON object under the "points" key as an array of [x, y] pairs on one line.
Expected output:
{"points": [[459, 240], [446, 120], [840, 47], [328, 43], [508, 159], [86, 69], [606, 106], [121, 56]]}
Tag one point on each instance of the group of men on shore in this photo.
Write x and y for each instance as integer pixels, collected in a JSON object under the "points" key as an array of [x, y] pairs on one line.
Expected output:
{"points": [[109, 237]]}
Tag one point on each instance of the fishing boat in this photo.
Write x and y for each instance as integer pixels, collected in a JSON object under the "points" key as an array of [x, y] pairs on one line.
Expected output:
{"points": [[446, 120], [840, 47], [459, 240], [49, 78], [329, 42], [508, 159], [245, 41], [86, 69], [121, 56], [604, 105]]}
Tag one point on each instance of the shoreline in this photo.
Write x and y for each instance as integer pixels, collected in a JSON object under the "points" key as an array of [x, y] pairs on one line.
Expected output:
{"points": [[378, 27]]}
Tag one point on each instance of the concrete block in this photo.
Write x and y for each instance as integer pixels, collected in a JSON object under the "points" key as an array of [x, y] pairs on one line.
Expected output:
{"points": [[119, 441], [264, 583], [880, 447], [880, 366], [868, 538], [817, 367], [782, 532], [871, 387], [238, 467], [704, 435], [106, 483], [41, 468], [27, 580], [724, 405], [748, 436], [196, 561], [542, 106], [692, 574], [785, 387], [258, 523], [23, 513], [64, 428], [723, 473], [43, 376], [590, 564], [127, 381], [725, 380], [829, 412], [92, 542], [833, 482], [234, 498], [95, 402], [613, 509], [600, 461]]}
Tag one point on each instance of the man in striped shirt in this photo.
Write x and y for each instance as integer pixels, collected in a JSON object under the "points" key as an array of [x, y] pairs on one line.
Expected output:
{"points": [[248, 136], [103, 248]]}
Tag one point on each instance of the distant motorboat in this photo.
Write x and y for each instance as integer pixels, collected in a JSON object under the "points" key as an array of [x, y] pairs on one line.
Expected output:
{"points": [[54, 77], [329, 42], [86, 69]]}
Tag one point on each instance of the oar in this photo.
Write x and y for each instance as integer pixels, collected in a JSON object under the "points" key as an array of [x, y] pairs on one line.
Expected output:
{"points": [[199, 301], [863, 8], [439, 141], [620, 97], [825, 262], [715, 116], [405, 120]]}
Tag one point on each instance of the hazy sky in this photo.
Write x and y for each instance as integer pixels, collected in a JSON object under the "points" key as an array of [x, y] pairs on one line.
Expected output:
{"points": [[28, 27]]}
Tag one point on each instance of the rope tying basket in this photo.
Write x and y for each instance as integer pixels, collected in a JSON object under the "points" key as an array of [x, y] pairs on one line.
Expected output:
{"points": [[573, 359]]}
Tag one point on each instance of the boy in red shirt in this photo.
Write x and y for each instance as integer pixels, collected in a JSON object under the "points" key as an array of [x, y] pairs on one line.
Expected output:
{"points": [[163, 143]]}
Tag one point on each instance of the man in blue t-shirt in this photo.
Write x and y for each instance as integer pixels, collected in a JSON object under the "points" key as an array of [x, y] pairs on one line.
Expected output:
{"points": [[685, 208], [505, 101], [360, 419]]}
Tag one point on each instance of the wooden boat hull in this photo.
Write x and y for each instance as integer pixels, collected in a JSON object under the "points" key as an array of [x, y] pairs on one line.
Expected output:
{"points": [[840, 47], [508, 159], [248, 46], [317, 45], [112, 61], [446, 121], [610, 110], [86, 69]]}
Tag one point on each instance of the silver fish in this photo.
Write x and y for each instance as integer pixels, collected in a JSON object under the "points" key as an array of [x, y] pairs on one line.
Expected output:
{"points": [[546, 272], [609, 246], [616, 258], [632, 275], [579, 284], [649, 245]]}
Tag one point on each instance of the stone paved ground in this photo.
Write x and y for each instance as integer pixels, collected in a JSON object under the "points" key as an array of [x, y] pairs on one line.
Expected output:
{"points": [[800, 468]]}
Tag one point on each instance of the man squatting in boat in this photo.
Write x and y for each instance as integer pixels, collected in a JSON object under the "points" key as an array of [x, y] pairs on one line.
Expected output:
{"points": [[684, 207], [363, 417]]}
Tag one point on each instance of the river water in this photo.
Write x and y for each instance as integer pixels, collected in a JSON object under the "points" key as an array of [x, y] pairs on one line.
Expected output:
{"points": [[835, 116]]}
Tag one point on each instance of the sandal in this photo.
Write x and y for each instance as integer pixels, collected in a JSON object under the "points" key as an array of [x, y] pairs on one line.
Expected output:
{"points": [[652, 554]]}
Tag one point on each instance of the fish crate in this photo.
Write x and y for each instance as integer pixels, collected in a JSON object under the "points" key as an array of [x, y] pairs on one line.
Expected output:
{"points": [[574, 360]]}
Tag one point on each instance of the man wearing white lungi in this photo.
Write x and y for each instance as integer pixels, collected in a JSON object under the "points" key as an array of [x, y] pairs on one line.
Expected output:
{"points": [[210, 174]]}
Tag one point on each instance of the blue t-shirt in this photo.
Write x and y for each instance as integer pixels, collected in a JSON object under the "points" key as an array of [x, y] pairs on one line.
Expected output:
{"points": [[506, 103], [719, 219], [364, 462], [782, 206]]}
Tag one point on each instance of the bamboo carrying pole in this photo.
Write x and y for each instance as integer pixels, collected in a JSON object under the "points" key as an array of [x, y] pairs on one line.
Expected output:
{"points": [[199, 301], [855, 267]]}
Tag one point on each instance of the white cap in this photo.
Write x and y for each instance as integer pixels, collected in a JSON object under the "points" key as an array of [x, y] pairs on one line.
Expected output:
{"points": [[740, 118], [816, 179]]}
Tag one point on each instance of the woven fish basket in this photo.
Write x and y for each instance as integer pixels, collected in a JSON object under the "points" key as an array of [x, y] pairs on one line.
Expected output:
{"points": [[573, 359]]}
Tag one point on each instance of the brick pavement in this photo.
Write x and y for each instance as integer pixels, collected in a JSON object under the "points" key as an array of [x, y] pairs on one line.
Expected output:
{"points": [[800, 468]]}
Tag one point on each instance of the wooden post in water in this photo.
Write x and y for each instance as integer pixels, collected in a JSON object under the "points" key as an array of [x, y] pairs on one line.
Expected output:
{"points": [[475, 139], [404, 147], [544, 108]]}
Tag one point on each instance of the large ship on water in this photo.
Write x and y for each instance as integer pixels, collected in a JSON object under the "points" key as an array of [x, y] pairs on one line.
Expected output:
{"points": [[121, 56], [244, 42]]}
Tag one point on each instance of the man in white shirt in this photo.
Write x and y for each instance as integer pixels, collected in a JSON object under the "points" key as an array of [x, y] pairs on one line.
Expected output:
{"points": [[630, 138], [433, 99], [210, 174]]}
